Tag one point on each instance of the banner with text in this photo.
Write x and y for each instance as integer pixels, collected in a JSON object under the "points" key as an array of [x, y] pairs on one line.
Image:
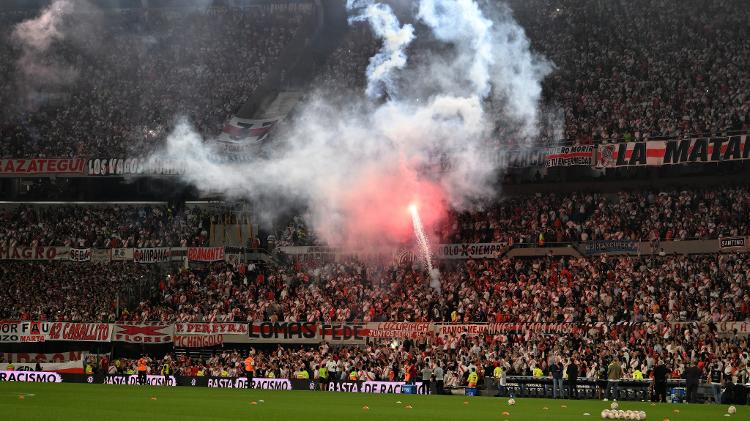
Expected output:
{"points": [[80, 255], [732, 243], [42, 166], [119, 167], [33, 253], [676, 151], [152, 255], [470, 251], [570, 156], [86, 332], [611, 246], [205, 254]]}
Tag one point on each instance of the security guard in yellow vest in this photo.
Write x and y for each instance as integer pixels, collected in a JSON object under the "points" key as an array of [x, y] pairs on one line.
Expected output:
{"points": [[537, 372], [473, 378], [497, 372], [637, 374]]}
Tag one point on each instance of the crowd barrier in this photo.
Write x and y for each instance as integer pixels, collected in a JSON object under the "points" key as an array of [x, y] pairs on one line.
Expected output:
{"points": [[516, 386], [211, 382]]}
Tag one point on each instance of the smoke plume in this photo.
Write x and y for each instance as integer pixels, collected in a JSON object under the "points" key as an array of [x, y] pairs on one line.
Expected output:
{"points": [[429, 141]]}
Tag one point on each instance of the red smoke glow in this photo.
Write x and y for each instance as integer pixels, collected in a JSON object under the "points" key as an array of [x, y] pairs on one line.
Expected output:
{"points": [[377, 207]]}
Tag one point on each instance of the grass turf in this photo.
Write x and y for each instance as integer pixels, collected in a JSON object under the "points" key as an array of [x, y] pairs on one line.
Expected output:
{"points": [[44, 401]]}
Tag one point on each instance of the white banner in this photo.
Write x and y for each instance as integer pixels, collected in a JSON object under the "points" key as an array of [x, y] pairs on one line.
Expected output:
{"points": [[37, 253], [152, 255], [133, 379], [30, 376], [374, 387], [241, 383], [210, 328], [121, 254], [470, 251], [80, 255]]}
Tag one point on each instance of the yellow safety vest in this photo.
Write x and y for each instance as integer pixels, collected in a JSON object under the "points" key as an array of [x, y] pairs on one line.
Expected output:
{"points": [[537, 372], [473, 377], [637, 375], [498, 372]]}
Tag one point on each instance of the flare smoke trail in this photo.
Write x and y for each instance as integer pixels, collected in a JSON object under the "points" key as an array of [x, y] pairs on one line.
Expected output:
{"points": [[357, 166], [395, 40], [424, 246]]}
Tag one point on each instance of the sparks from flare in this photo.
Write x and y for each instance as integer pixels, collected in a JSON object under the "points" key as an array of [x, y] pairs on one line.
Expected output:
{"points": [[421, 238]]}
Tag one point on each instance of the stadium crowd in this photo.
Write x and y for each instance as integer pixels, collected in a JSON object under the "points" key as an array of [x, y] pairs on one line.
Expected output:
{"points": [[53, 291], [624, 71], [686, 214], [580, 217], [125, 97], [102, 226], [450, 359], [668, 72], [706, 288]]}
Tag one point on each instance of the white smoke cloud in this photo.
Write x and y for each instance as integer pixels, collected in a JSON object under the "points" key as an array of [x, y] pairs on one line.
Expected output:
{"points": [[395, 40], [358, 166], [35, 37]]}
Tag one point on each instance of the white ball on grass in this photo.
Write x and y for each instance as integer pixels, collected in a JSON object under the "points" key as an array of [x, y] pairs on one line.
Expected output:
{"points": [[732, 410]]}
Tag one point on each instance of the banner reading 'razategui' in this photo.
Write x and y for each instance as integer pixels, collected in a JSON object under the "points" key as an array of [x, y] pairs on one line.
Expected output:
{"points": [[42, 166]]}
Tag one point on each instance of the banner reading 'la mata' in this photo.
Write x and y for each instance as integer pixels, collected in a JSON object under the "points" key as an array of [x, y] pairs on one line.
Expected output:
{"points": [[675, 151]]}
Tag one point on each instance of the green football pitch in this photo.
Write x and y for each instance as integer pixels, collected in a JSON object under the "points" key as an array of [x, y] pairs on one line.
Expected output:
{"points": [[44, 401]]}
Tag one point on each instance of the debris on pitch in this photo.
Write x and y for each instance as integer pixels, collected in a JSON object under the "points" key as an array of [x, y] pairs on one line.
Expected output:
{"points": [[506, 413], [153, 398], [408, 407], [365, 407], [253, 403]]}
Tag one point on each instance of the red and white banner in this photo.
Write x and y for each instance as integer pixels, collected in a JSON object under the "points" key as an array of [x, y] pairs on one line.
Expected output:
{"points": [[205, 254], [80, 255], [32, 357], [197, 341], [210, 329], [87, 332], [33, 253], [243, 130], [143, 333], [152, 255], [42, 166], [675, 151]]}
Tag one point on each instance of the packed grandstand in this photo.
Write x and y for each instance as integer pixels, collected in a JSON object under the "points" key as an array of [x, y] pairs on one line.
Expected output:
{"points": [[587, 262]]}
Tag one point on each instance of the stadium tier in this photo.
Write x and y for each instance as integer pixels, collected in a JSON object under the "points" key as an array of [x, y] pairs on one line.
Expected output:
{"points": [[518, 199]]}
